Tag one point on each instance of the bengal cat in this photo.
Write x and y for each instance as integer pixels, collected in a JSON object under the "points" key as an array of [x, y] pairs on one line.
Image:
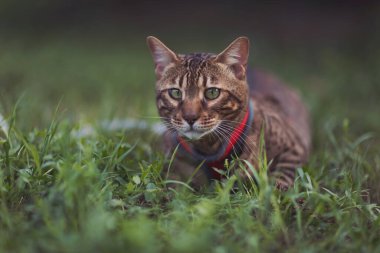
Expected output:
{"points": [[215, 108]]}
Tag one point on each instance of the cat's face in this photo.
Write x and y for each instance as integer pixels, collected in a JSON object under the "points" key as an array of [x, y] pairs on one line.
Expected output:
{"points": [[199, 93]]}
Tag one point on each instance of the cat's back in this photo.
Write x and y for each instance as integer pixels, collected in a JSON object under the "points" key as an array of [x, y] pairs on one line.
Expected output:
{"points": [[267, 88]]}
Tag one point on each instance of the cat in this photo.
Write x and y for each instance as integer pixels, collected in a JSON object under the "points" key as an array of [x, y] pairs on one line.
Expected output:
{"points": [[215, 109]]}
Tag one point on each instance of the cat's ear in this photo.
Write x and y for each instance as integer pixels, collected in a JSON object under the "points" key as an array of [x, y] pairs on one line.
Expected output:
{"points": [[162, 55], [236, 56]]}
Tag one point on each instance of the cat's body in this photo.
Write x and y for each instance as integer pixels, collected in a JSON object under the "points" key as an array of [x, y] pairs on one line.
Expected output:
{"points": [[216, 108]]}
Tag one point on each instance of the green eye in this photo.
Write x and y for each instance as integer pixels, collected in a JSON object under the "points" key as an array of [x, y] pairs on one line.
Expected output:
{"points": [[175, 94], [212, 93]]}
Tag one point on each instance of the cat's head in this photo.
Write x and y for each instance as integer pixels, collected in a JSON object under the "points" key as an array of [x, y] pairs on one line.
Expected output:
{"points": [[197, 93]]}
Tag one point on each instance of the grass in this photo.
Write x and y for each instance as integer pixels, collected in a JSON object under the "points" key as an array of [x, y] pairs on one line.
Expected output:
{"points": [[61, 193], [104, 193]]}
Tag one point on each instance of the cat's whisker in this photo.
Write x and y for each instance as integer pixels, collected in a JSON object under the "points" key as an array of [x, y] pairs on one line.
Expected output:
{"points": [[226, 127], [242, 143], [231, 128], [222, 131], [231, 121], [227, 139], [217, 136], [169, 126]]}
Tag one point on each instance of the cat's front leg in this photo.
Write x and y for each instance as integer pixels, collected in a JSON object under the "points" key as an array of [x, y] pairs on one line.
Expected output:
{"points": [[184, 170], [281, 166], [180, 167], [285, 165], [250, 154]]}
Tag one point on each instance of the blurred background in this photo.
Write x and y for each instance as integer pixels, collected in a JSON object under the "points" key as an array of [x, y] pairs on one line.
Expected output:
{"points": [[91, 59]]}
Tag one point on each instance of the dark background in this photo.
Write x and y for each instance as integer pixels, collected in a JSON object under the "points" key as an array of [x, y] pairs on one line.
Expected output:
{"points": [[305, 23], [92, 56]]}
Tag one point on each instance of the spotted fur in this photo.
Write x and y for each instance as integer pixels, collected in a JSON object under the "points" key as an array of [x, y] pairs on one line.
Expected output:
{"points": [[207, 123]]}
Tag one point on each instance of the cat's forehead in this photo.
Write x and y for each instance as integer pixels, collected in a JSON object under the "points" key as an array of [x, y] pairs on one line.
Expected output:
{"points": [[193, 67], [196, 62], [196, 57]]}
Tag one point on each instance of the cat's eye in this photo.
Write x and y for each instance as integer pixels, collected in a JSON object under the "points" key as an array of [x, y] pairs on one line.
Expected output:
{"points": [[212, 93], [175, 94]]}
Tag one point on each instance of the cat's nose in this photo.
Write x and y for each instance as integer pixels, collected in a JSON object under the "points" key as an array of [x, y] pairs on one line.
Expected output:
{"points": [[191, 111], [191, 118]]}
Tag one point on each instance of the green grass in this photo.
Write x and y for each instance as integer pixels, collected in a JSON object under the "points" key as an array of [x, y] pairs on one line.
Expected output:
{"points": [[105, 193]]}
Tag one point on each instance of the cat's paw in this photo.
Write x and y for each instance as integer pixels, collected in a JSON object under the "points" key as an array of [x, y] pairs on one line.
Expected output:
{"points": [[282, 185]]}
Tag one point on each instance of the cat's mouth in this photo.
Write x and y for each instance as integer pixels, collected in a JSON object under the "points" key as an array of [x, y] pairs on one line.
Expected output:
{"points": [[196, 134], [192, 134]]}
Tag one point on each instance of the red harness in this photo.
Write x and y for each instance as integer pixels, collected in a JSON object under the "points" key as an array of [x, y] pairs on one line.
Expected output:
{"points": [[218, 162]]}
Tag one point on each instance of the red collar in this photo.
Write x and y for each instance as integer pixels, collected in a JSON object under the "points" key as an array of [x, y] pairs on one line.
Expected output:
{"points": [[226, 150]]}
